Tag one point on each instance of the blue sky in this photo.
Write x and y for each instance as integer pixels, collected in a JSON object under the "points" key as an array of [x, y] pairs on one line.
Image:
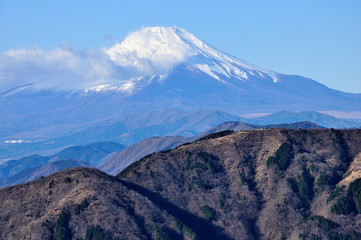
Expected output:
{"points": [[316, 39]]}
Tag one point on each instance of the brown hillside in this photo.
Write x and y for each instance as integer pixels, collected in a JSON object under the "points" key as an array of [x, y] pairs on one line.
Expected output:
{"points": [[258, 184], [250, 199]]}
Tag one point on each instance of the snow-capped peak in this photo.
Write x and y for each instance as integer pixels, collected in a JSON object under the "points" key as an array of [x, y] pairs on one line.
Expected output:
{"points": [[156, 50]]}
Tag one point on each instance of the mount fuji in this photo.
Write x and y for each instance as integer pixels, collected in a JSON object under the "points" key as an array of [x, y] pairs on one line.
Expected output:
{"points": [[48, 94], [179, 70]]}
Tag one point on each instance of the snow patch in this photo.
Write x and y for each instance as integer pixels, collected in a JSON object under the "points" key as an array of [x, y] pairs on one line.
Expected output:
{"points": [[162, 78], [207, 69], [128, 87], [17, 141]]}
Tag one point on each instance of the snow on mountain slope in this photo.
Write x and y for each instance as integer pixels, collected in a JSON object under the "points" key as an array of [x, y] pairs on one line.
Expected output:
{"points": [[157, 50]]}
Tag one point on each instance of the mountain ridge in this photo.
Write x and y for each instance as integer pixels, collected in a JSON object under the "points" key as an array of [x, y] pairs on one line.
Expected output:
{"points": [[219, 188]]}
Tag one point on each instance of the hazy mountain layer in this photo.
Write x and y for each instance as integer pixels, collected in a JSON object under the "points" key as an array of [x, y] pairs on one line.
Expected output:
{"points": [[132, 128], [127, 129], [93, 154], [33, 173], [315, 117]]}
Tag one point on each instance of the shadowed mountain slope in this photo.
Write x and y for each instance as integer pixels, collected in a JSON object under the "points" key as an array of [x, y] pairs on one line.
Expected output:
{"points": [[78, 201]]}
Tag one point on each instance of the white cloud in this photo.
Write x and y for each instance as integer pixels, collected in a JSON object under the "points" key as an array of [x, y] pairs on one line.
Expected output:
{"points": [[153, 50], [62, 68]]}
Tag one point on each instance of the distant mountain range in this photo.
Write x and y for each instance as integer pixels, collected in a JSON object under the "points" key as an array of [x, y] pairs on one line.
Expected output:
{"points": [[111, 157], [135, 127], [128, 129], [34, 173], [315, 117], [35, 166]]}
